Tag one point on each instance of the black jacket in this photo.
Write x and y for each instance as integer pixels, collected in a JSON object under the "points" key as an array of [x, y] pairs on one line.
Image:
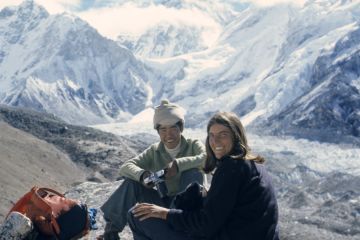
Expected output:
{"points": [[240, 204]]}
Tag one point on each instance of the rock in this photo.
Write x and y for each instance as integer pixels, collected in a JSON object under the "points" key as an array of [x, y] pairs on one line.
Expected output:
{"points": [[16, 227]]}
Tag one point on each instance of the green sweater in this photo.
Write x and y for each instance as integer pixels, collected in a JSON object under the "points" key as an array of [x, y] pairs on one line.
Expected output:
{"points": [[191, 155]]}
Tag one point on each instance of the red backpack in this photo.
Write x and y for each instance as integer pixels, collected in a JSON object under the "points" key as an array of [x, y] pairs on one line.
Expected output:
{"points": [[53, 214]]}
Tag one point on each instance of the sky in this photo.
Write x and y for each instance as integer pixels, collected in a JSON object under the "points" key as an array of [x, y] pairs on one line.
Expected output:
{"points": [[127, 18], [102, 14]]}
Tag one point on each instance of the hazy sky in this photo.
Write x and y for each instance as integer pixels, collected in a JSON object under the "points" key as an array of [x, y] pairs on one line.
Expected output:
{"points": [[56, 6], [110, 19]]}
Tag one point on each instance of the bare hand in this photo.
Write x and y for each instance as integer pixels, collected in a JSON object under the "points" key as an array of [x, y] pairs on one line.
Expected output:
{"points": [[171, 170], [147, 210]]}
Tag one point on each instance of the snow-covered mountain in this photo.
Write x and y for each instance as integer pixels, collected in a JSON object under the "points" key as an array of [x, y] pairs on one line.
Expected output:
{"points": [[60, 64], [288, 68], [220, 10], [178, 35], [330, 110], [266, 60], [285, 69], [165, 40]]}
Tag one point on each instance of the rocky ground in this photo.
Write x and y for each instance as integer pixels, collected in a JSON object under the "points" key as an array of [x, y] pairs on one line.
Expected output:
{"points": [[40, 149], [313, 205], [27, 161], [98, 153], [315, 200], [305, 214], [325, 208]]}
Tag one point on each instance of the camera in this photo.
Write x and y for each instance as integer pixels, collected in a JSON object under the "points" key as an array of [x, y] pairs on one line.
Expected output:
{"points": [[158, 179]]}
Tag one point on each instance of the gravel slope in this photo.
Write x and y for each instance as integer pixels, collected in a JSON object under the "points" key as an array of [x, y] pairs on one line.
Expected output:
{"points": [[26, 161]]}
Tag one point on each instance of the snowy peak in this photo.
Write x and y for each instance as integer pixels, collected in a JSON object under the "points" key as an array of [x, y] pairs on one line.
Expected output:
{"points": [[220, 11], [27, 10], [16, 21], [190, 26], [166, 40], [62, 49]]}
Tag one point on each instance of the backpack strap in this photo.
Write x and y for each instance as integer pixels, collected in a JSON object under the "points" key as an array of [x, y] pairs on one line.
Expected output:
{"points": [[55, 225], [52, 191]]}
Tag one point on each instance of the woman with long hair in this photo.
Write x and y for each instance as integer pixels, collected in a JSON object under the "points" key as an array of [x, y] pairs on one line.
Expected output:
{"points": [[240, 203]]}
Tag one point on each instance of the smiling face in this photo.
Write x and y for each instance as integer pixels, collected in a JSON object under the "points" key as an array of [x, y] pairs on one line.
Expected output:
{"points": [[220, 140], [170, 135]]}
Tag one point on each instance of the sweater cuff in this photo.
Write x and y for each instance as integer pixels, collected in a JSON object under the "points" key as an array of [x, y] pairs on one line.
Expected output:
{"points": [[139, 174], [172, 214]]}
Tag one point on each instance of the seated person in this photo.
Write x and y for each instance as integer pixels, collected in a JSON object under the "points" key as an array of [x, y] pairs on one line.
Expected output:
{"points": [[181, 157], [240, 203]]}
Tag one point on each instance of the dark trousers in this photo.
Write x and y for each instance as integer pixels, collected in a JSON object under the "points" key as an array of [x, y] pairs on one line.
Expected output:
{"points": [[115, 209], [154, 229]]}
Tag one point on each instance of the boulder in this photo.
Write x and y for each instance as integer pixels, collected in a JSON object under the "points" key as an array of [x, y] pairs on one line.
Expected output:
{"points": [[16, 227]]}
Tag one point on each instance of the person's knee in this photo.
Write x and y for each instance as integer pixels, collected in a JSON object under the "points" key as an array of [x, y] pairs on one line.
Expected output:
{"points": [[121, 200], [132, 187], [130, 183], [127, 186]]}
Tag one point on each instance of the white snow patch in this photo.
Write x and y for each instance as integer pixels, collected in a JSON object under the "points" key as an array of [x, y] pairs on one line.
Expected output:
{"points": [[356, 83], [248, 118], [145, 116]]}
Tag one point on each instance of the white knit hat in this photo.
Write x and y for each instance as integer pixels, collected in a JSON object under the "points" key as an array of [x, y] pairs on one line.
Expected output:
{"points": [[168, 114]]}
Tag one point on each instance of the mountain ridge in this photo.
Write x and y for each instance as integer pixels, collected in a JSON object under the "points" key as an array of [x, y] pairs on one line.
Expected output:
{"points": [[263, 63], [27, 161], [97, 153], [59, 52]]}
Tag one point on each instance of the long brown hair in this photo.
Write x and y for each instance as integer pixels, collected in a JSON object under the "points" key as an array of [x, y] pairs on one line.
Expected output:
{"points": [[240, 150]]}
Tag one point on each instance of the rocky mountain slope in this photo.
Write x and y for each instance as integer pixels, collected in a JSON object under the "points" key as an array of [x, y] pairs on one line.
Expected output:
{"points": [[316, 205], [97, 152], [330, 110], [27, 161], [40, 149]]}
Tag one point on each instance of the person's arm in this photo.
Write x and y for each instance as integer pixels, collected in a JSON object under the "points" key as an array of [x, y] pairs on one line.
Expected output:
{"points": [[218, 206], [135, 167], [194, 161], [148, 210]]}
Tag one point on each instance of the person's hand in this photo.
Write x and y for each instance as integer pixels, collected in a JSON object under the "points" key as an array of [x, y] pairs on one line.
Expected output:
{"points": [[171, 170], [143, 176], [147, 210]]}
